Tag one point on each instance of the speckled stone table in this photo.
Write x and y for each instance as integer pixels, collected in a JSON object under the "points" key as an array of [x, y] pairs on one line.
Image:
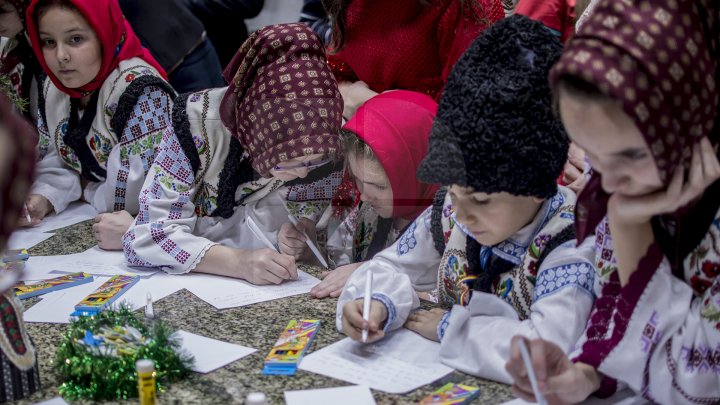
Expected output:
{"points": [[255, 326]]}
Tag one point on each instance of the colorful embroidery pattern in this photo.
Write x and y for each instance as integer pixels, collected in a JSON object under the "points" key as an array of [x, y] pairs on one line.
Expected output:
{"points": [[66, 153], [550, 281], [650, 335], [407, 241], [701, 359]]}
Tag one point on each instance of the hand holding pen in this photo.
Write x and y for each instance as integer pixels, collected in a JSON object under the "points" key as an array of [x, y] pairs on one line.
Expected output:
{"points": [[280, 267], [363, 319]]}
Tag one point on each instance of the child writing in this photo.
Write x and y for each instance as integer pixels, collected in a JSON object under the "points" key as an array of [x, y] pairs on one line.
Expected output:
{"points": [[498, 243], [384, 143], [104, 110], [262, 147], [649, 123]]}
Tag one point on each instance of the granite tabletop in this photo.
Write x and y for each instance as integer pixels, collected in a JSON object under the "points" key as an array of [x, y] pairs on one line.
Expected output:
{"points": [[256, 326]]}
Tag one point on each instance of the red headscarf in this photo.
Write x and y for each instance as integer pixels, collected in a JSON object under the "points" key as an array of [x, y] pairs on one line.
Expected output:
{"points": [[396, 125], [16, 171], [659, 59], [118, 41]]}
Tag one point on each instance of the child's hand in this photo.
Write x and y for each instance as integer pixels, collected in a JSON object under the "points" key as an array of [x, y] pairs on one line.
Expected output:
{"points": [[38, 207], [334, 281], [110, 228], [291, 239], [425, 323], [353, 322], [266, 266], [354, 95]]}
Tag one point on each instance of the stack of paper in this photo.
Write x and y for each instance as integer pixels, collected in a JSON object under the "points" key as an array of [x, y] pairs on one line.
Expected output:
{"points": [[223, 292], [28, 237], [401, 362]]}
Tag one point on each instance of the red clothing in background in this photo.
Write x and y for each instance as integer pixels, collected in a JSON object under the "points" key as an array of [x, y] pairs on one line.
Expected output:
{"points": [[558, 15], [403, 44]]}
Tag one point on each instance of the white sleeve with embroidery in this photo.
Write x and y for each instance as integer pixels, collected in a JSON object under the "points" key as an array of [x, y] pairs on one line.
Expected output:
{"points": [[340, 243], [55, 180], [130, 159], [408, 265], [476, 338], [670, 350]]}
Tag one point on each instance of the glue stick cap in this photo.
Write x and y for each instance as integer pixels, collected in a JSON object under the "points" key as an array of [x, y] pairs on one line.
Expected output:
{"points": [[256, 398], [145, 366]]}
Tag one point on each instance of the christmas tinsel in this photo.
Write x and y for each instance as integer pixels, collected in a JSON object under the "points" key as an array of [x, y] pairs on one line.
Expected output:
{"points": [[88, 375]]}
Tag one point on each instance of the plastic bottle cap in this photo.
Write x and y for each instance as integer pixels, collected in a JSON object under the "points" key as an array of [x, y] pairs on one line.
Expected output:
{"points": [[145, 366], [256, 398]]}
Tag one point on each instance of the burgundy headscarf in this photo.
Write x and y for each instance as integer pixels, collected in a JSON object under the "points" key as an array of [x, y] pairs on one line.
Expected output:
{"points": [[659, 60], [396, 125], [282, 102], [17, 171], [118, 41]]}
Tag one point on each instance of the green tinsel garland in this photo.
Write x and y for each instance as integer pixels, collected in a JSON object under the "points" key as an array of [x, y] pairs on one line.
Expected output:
{"points": [[97, 377]]}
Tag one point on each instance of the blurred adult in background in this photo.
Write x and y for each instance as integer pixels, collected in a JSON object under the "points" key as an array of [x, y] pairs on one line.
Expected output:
{"points": [[177, 39]]}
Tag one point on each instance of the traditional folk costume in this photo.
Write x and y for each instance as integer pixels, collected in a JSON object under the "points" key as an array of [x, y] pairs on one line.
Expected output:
{"points": [[408, 44], [111, 144], [18, 359], [535, 283], [396, 125], [19, 64], [213, 166], [660, 333]]}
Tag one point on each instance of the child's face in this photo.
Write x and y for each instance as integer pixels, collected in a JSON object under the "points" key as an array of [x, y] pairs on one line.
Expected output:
{"points": [[492, 218], [70, 46], [614, 145], [299, 167], [373, 184], [10, 24]]}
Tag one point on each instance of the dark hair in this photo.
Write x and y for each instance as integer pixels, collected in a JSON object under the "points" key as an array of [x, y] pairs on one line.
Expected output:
{"points": [[44, 5], [337, 13]]}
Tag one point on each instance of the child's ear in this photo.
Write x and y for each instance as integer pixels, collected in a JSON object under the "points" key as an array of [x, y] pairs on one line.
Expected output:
{"points": [[538, 200]]}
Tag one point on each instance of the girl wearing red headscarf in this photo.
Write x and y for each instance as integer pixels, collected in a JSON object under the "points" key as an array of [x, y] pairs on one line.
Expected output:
{"points": [[104, 108], [384, 143], [637, 88]]}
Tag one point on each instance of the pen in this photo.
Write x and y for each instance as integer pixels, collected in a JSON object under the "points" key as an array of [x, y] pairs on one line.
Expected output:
{"points": [[366, 302], [258, 234], [311, 245], [27, 214], [531, 373]]}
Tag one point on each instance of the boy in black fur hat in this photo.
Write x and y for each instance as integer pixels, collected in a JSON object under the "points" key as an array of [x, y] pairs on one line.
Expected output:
{"points": [[498, 246]]}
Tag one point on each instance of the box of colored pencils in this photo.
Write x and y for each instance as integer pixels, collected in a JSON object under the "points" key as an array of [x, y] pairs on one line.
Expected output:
{"points": [[15, 255], [23, 290], [105, 295], [452, 394], [289, 349]]}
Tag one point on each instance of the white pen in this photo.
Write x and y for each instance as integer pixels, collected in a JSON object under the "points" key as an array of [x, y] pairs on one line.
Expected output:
{"points": [[27, 214], [311, 245], [366, 302], [258, 234], [531, 373]]}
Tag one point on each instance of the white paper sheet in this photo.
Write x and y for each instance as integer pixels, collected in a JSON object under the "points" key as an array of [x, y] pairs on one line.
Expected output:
{"points": [[352, 395], [56, 307], [624, 397], [400, 363], [211, 354], [97, 262], [54, 401], [75, 212], [224, 292], [23, 239]]}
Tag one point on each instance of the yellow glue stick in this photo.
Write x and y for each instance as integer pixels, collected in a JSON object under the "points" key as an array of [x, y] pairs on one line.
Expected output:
{"points": [[146, 381]]}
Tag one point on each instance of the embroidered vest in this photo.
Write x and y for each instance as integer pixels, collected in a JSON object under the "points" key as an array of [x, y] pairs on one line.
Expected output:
{"points": [[84, 144], [224, 177], [516, 286], [372, 233]]}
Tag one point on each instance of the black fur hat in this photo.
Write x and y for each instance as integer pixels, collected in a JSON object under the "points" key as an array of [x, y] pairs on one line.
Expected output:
{"points": [[495, 129]]}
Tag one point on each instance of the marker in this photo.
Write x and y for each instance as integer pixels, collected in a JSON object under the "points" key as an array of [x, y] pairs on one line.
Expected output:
{"points": [[366, 302], [149, 310], [531, 373], [27, 214], [311, 245], [258, 234]]}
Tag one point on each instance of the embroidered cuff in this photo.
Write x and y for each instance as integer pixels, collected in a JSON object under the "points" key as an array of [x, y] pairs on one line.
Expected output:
{"points": [[442, 325], [392, 312]]}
